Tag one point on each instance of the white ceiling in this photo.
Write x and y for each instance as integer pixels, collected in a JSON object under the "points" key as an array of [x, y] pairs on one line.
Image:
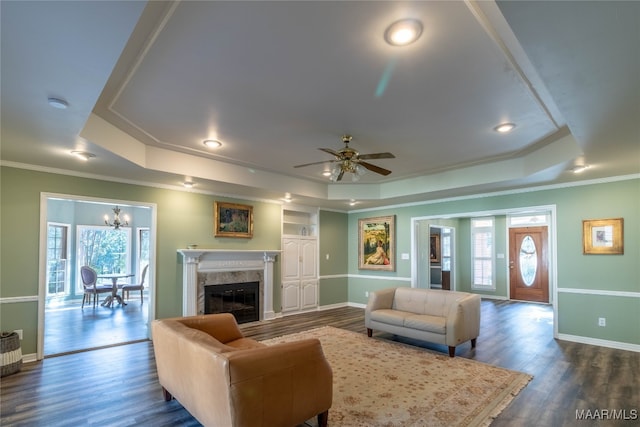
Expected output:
{"points": [[275, 81]]}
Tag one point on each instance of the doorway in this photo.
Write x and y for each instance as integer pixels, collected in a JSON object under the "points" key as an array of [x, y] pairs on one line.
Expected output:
{"points": [[75, 231], [529, 264]]}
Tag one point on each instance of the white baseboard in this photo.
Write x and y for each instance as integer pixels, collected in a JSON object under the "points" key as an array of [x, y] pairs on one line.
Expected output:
{"points": [[332, 306], [357, 304], [602, 343], [29, 358]]}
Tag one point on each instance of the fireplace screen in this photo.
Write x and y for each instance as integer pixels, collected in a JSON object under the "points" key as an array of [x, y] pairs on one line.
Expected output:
{"points": [[240, 299]]}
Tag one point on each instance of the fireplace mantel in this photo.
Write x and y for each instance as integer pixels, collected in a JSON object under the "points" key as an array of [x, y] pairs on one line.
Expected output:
{"points": [[218, 260]]}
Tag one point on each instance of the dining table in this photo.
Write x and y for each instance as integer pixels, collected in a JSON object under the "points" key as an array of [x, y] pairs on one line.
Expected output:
{"points": [[109, 300]]}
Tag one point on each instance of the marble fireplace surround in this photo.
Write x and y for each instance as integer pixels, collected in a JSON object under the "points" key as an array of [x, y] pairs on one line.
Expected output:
{"points": [[226, 261]]}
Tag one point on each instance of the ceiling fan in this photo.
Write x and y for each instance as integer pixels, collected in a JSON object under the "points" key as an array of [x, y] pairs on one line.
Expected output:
{"points": [[349, 160]]}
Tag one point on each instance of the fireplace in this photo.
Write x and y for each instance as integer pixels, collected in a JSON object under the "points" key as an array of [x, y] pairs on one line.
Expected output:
{"points": [[240, 299], [205, 267]]}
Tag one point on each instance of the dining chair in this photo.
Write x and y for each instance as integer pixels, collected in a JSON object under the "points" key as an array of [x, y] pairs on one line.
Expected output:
{"points": [[135, 287], [89, 282]]}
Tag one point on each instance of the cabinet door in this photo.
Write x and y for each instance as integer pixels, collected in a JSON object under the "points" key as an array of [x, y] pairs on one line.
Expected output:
{"points": [[290, 296], [290, 259], [309, 258], [309, 294]]}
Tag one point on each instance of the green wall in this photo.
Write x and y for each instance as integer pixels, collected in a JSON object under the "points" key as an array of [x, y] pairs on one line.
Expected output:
{"points": [[333, 238], [590, 286], [182, 218]]}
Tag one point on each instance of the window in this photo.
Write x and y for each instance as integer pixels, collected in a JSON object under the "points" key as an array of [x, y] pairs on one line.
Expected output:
{"points": [[482, 247], [527, 220], [105, 249], [446, 249], [143, 248], [57, 260]]}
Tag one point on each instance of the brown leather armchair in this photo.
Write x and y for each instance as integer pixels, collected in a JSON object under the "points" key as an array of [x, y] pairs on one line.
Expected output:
{"points": [[226, 380]]}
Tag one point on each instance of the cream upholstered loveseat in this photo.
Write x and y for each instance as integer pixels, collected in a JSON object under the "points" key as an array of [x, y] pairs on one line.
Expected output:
{"points": [[226, 380], [441, 317]]}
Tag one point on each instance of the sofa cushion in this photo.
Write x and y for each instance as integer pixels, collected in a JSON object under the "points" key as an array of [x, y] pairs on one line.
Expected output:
{"points": [[244, 343], [197, 335], [437, 304], [391, 317], [410, 300], [425, 322]]}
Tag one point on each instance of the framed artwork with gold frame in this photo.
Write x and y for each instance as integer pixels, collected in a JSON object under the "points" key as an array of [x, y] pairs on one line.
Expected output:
{"points": [[376, 243], [233, 220], [603, 236]]}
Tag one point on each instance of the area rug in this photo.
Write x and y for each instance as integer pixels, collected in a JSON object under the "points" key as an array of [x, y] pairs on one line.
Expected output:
{"points": [[378, 383]]}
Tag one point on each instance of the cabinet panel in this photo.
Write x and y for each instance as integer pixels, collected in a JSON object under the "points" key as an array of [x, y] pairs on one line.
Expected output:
{"points": [[309, 258], [309, 294], [290, 259], [290, 296], [299, 273]]}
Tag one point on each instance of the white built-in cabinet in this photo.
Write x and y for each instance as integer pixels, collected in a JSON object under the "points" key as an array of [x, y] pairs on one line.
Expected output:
{"points": [[299, 260]]}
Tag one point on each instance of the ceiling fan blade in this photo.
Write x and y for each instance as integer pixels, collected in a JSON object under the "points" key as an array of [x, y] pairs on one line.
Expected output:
{"points": [[376, 169], [332, 152], [314, 163], [377, 156]]}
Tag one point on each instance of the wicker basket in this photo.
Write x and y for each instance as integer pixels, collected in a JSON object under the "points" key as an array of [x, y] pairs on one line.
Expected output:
{"points": [[10, 353]]}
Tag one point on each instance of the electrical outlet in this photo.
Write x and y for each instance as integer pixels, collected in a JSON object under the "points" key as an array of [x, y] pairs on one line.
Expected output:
{"points": [[19, 332], [602, 321], [366, 294]]}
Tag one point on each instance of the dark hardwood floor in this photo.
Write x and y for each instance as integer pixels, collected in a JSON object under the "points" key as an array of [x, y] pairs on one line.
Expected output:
{"points": [[117, 386], [70, 328]]}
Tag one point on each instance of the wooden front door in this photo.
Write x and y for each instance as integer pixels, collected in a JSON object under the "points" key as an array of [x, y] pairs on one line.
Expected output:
{"points": [[529, 264]]}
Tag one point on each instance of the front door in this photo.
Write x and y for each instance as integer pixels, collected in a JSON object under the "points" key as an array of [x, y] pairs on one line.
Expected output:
{"points": [[529, 264]]}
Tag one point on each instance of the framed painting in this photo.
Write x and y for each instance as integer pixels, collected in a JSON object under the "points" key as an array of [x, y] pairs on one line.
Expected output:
{"points": [[376, 243], [434, 248], [602, 236], [233, 220]]}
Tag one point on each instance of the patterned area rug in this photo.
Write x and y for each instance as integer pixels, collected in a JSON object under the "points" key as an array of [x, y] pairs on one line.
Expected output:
{"points": [[382, 383]]}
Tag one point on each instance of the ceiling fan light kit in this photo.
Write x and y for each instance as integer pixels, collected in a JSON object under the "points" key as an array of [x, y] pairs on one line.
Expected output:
{"points": [[349, 160]]}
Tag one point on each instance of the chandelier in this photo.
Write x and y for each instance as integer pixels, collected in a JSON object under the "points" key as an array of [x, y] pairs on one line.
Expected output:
{"points": [[347, 165], [116, 224]]}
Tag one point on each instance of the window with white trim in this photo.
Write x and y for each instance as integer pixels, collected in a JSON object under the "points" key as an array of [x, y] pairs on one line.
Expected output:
{"points": [[57, 260], [482, 250], [105, 249]]}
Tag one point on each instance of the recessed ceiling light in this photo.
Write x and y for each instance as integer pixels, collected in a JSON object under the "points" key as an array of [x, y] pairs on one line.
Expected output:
{"points": [[83, 155], [403, 32], [58, 103], [326, 173], [212, 143], [504, 127], [188, 184], [352, 202], [579, 168]]}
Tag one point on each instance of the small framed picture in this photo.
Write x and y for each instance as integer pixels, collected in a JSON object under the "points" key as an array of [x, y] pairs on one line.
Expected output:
{"points": [[434, 248], [603, 236], [233, 220], [376, 238]]}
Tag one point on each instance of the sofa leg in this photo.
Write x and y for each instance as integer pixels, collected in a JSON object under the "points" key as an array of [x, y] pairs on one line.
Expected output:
{"points": [[452, 351], [369, 332], [323, 418], [167, 396], [473, 342]]}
